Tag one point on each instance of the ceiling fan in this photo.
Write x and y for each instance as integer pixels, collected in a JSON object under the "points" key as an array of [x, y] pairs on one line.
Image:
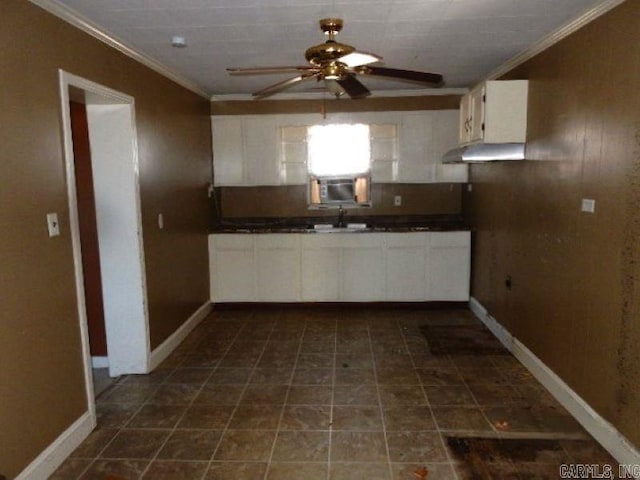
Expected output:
{"points": [[338, 65]]}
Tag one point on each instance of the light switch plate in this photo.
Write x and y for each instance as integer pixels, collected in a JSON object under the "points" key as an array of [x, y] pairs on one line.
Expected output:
{"points": [[160, 221], [53, 225]]}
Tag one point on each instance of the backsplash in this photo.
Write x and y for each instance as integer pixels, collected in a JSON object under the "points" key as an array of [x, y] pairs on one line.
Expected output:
{"points": [[291, 201]]}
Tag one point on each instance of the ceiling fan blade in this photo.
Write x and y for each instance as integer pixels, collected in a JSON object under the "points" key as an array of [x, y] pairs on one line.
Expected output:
{"points": [[357, 59], [277, 87], [353, 87], [433, 79], [268, 70]]}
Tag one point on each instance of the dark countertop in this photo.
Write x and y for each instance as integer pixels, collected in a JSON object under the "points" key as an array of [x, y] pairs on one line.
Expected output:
{"points": [[432, 223]]}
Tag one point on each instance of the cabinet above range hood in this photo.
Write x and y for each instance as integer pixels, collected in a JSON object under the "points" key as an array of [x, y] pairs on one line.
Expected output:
{"points": [[493, 123], [485, 152]]}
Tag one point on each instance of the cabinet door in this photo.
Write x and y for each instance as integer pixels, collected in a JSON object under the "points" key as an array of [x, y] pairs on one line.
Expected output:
{"points": [[278, 268], [363, 268], [260, 138], [228, 158], [232, 268], [405, 266], [320, 268], [415, 138], [505, 114], [448, 265], [384, 152], [292, 145], [464, 128], [477, 114]]}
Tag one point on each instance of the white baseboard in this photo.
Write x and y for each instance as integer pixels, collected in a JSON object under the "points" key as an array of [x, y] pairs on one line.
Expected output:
{"points": [[170, 344], [100, 362], [604, 432], [52, 457]]}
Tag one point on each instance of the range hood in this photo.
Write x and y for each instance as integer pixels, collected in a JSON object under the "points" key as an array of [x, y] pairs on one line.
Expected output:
{"points": [[485, 152]]}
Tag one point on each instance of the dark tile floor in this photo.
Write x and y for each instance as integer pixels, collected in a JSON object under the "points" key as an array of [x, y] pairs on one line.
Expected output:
{"points": [[328, 393]]}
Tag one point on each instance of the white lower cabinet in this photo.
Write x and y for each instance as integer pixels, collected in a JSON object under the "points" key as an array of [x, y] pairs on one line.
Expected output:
{"points": [[448, 266], [320, 267], [360, 267], [405, 263], [277, 268], [232, 268]]}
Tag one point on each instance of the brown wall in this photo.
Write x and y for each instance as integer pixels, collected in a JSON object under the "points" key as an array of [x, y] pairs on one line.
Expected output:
{"points": [[291, 201], [575, 300], [41, 370]]}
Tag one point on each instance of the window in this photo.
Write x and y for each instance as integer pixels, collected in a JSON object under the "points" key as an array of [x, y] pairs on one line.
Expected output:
{"points": [[338, 149]]}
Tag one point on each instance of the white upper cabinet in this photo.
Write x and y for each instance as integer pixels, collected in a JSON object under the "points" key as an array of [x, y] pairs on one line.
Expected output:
{"points": [[494, 112], [406, 147], [426, 136], [228, 156], [416, 138], [259, 137], [245, 150]]}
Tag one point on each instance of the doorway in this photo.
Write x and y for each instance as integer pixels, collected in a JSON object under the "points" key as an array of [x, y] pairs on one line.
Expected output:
{"points": [[115, 270], [89, 245]]}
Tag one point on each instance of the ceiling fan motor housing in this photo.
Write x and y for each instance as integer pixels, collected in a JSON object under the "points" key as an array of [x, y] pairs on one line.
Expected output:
{"points": [[327, 52], [330, 50]]}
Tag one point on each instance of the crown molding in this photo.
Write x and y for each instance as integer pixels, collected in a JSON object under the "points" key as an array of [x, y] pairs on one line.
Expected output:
{"points": [[554, 37], [78, 20], [327, 96]]}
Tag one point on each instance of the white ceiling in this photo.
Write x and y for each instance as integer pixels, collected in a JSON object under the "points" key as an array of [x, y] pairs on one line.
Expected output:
{"points": [[462, 39]]}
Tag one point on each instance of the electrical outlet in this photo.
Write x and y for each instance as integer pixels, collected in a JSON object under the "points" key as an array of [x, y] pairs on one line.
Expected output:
{"points": [[588, 205], [397, 200]]}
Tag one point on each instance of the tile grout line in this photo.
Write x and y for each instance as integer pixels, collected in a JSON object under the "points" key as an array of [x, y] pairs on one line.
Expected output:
{"points": [[284, 402], [433, 417], [466, 385], [121, 427], [235, 408], [380, 409], [144, 472], [333, 396]]}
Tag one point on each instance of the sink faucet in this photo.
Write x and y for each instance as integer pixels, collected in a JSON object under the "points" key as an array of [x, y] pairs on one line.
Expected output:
{"points": [[341, 217]]}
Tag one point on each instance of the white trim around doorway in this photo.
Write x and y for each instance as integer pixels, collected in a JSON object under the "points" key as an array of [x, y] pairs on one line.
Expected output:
{"points": [[51, 458]]}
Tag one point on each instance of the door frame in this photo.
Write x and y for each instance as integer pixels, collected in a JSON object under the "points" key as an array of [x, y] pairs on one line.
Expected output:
{"points": [[127, 339]]}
